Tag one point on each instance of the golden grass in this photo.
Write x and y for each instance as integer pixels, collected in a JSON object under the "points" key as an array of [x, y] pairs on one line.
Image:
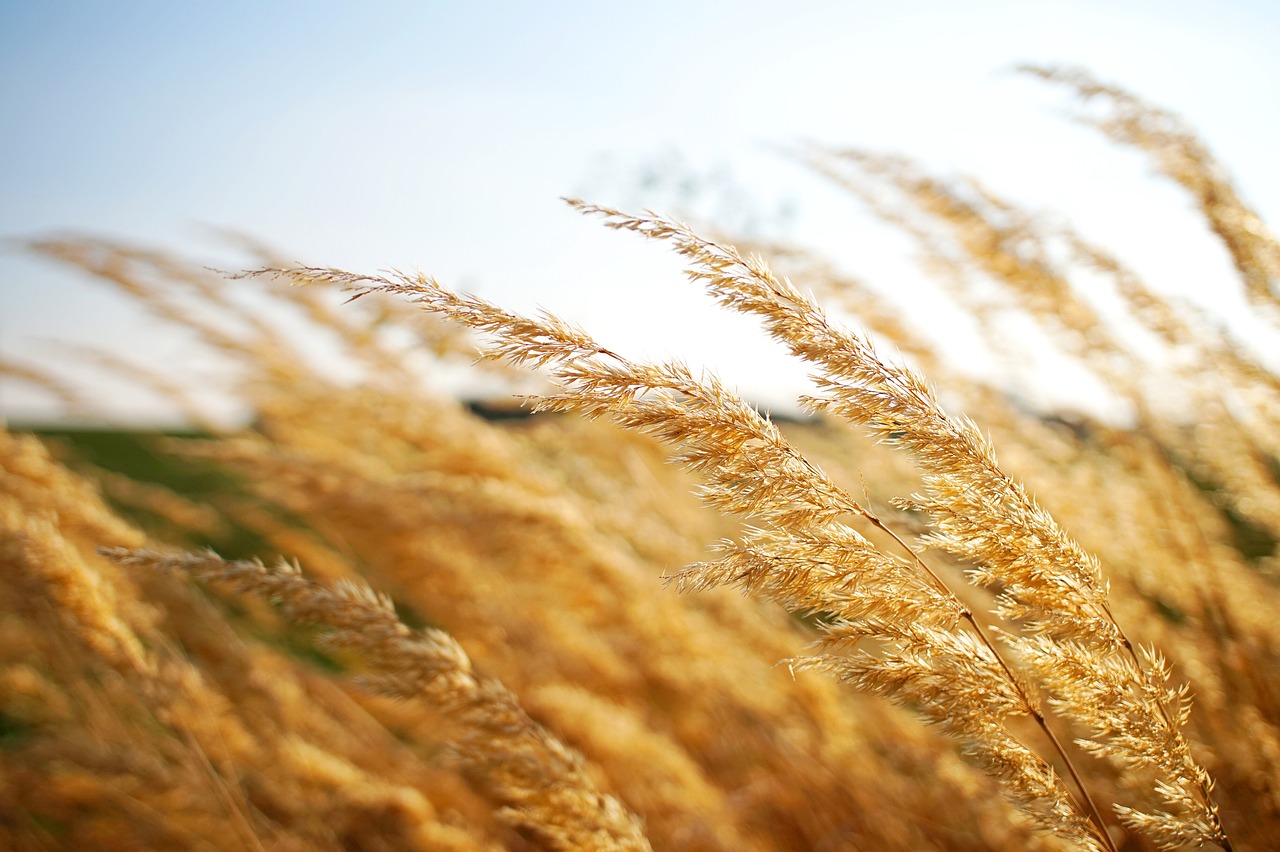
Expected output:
{"points": [[526, 674]]}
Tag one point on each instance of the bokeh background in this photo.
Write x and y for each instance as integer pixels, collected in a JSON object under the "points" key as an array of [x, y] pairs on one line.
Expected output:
{"points": [[441, 136]]}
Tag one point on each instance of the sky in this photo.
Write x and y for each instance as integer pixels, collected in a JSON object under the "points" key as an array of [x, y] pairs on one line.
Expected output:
{"points": [[441, 137]]}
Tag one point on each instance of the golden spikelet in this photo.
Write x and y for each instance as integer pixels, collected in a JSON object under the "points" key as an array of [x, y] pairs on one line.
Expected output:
{"points": [[542, 785]]}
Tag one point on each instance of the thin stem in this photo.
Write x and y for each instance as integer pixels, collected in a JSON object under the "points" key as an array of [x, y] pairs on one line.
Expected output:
{"points": [[1095, 816]]}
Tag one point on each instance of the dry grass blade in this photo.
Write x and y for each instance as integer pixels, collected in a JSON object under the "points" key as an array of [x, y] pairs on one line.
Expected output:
{"points": [[1183, 157], [543, 786], [753, 472], [44, 380], [1048, 584]]}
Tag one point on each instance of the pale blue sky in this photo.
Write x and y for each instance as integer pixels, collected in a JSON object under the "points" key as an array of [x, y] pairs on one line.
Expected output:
{"points": [[440, 135]]}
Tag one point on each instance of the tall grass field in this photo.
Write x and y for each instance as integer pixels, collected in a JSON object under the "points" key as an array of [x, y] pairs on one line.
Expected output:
{"points": [[630, 610]]}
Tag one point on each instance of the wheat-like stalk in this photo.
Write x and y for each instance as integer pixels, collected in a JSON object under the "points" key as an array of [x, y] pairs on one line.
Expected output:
{"points": [[931, 652], [1183, 157], [1048, 584], [42, 379], [752, 471], [544, 786]]}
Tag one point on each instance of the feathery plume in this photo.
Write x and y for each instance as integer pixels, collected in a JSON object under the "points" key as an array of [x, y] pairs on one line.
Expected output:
{"points": [[543, 785]]}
